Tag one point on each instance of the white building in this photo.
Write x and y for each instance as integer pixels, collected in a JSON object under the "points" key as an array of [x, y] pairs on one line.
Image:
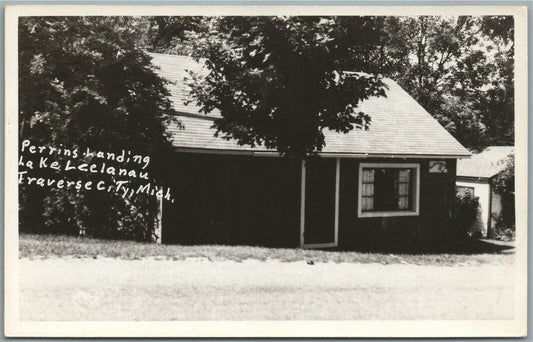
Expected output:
{"points": [[475, 175]]}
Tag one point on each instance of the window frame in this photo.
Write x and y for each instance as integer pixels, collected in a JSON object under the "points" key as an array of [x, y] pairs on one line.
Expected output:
{"points": [[470, 188], [416, 191]]}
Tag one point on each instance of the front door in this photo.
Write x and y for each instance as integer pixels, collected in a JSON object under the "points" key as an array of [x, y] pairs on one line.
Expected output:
{"points": [[319, 217]]}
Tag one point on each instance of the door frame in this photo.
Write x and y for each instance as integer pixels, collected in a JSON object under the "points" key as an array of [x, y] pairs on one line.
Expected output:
{"points": [[302, 209]]}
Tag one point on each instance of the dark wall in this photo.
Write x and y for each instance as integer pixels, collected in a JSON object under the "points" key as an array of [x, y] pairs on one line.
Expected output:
{"points": [[320, 200], [227, 199], [436, 197]]}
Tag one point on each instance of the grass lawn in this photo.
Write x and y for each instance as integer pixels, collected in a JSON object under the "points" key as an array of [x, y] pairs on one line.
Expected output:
{"points": [[47, 246]]}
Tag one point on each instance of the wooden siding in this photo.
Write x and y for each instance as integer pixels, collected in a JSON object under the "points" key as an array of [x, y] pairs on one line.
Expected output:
{"points": [[233, 200], [222, 199], [437, 193]]}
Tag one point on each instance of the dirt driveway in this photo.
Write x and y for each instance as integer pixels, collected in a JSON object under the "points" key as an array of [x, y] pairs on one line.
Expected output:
{"points": [[148, 289]]}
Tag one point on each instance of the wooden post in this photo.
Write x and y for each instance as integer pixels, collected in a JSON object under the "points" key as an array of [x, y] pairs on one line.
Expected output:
{"points": [[337, 184], [302, 206], [158, 231]]}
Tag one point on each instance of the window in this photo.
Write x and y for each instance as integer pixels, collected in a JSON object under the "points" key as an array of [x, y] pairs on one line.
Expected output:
{"points": [[438, 166], [388, 189], [464, 190]]}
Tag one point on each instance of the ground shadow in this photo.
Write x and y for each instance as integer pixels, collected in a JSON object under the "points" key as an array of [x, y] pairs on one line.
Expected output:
{"points": [[466, 246]]}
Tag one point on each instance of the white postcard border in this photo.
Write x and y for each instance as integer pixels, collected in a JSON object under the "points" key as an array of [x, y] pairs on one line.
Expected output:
{"points": [[15, 327]]}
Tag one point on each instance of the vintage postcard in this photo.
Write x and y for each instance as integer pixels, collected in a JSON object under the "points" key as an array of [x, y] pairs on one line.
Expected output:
{"points": [[265, 171]]}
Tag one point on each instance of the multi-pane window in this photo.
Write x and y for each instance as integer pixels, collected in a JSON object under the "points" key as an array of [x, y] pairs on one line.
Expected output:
{"points": [[388, 189]]}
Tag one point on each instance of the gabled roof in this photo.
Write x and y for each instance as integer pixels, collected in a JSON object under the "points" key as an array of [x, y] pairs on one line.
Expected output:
{"points": [[399, 125], [486, 164]]}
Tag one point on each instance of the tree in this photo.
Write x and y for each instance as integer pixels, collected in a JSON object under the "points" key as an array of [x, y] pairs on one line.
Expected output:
{"points": [[504, 185], [496, 100], [460, 69], [87, 82], [280, 81], [171, 34]]}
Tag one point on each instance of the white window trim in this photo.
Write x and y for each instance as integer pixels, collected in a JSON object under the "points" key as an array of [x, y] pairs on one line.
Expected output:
{"points": [[416, 199]]}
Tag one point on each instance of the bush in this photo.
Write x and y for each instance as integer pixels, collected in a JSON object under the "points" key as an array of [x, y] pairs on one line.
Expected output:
{"points": [[95, 214], [504, 185], [465, 212]]}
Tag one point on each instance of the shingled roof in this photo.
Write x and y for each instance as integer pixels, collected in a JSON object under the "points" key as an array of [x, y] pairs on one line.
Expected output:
{"points": [[399, 126], [486, 164]]}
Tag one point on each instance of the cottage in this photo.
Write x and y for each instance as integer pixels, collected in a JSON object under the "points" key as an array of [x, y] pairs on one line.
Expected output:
{"points": [[366, 187], [476, 177]]}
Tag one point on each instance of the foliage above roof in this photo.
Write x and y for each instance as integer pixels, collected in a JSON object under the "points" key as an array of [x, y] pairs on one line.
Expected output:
{"points": [[459, 68]]}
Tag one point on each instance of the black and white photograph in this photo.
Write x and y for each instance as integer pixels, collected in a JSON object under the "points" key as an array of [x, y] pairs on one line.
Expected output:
{"points": [[288, 172]]}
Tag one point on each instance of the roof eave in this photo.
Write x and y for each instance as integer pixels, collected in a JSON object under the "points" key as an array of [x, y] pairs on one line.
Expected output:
{"points": [[265, 153], [478, 179]]}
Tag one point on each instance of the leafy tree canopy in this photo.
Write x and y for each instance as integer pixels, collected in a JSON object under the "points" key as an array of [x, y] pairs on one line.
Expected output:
{"points": [[87, 82], [504, 181], [460, 69], [279, 81]]}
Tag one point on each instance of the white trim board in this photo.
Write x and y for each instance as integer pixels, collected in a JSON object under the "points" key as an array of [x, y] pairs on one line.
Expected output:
{"points": [[302, 205], [416, 204], [264, 153]]}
